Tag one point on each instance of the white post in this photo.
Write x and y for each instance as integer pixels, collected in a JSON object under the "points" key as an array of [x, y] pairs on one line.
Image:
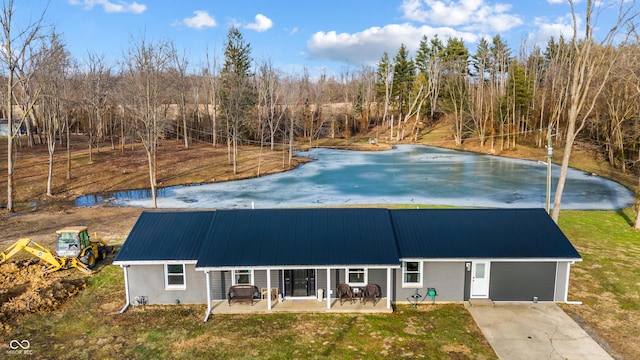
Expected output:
{"points": [[206, 274], [328, 290], [389, 291], [268, 289]]}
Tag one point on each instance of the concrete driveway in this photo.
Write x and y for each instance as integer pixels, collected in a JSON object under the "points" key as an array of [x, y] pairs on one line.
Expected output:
{"points": [[534, 331]]}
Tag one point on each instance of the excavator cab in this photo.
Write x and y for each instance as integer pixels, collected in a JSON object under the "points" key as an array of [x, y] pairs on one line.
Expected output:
{"points": [[70, 243], [74, 242]]}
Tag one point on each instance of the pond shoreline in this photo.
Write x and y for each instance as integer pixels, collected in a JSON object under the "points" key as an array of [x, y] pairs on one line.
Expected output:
{"points": [[411, 174]]}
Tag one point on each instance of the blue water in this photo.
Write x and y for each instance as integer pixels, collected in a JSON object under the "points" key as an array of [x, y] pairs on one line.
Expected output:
{"points": [[408, 174]]}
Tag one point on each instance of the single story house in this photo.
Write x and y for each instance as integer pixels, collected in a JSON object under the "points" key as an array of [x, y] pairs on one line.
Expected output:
{"points": [[18, 127], [498, 254]]}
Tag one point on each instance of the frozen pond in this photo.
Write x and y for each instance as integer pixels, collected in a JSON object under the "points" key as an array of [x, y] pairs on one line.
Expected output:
{"points": [[408, 174]]}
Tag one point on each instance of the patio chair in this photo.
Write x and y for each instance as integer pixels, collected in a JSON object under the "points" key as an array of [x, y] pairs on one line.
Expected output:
{"points": [[344, 293], [372, 293], [265, 291]]}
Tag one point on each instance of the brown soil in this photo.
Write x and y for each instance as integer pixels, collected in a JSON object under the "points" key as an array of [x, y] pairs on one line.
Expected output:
{"points": [[25, 288]]}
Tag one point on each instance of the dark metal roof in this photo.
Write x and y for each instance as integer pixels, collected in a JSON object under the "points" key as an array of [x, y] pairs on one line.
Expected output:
{"points": [[306, 237], [479, 233], [342, 236], [166, 235]]}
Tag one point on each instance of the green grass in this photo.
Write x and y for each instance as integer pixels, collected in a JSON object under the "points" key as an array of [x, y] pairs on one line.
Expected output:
{"points": [[89, 326], [607, 281], [610, 248]]}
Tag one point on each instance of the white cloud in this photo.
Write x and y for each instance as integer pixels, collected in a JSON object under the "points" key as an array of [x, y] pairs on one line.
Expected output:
{"points": [[112, 6], [200, 19], [262, 24], [366, 47], [562, 26], [556, 1], [467, 14]]}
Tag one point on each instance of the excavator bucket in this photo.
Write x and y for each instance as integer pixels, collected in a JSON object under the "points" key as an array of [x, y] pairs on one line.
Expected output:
{"points": [[80, 266]]}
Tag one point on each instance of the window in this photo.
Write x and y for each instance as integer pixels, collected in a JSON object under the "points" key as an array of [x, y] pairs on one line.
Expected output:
{"points": [[356, 276], [175, 277], [84, 239], [412, 274], [243, 276]]}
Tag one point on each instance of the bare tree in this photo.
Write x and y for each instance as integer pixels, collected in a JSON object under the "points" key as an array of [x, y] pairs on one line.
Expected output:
{"points": [[98, 86], [210, 74], [384, 83], [52, 64], [145, 65], [269, 95], [591, 66], [180, 62], [16, 43], [291, 104]]}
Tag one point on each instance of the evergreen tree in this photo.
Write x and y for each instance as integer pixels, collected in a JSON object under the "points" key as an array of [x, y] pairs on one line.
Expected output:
{"points": [[403, 78], [456, 56], [236, 90], [499, 65], [423, 56], [383, 76], [481, 60]]}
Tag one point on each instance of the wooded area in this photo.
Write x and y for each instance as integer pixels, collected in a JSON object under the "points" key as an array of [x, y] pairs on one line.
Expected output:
{"points": [[578, 90]]}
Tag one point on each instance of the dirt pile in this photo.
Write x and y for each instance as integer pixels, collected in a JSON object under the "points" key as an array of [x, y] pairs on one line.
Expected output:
{"points": [[25, 288]]}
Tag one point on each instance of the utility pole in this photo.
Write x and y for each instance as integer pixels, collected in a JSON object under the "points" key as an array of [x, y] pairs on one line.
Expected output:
{"points": [[549, 153]]}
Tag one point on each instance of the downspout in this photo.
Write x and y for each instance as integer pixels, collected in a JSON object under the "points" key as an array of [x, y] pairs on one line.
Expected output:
{"points": [[206, 274], [566, 292], [126, 288]]}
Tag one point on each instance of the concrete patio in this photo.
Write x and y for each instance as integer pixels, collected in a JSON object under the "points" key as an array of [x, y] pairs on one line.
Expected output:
{"points": [[298, 306]]}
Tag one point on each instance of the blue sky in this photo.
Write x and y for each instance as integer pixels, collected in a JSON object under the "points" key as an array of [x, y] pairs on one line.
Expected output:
{"points": [[316, 35]]}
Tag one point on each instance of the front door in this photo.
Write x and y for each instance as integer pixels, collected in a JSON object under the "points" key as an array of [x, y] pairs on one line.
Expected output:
{"points": [[480, 279], [300, 282]]}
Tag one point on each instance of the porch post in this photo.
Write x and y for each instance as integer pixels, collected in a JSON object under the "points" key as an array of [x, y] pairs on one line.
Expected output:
{"points": [[268, 289], [389, 290], [328, 290], [206, 275]]}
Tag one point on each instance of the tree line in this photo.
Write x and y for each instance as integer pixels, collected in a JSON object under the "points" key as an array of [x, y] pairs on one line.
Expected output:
{"points": [[575, 89]]}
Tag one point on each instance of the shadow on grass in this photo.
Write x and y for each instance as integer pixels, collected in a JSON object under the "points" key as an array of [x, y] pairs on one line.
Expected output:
{"points": [[625, 217]]}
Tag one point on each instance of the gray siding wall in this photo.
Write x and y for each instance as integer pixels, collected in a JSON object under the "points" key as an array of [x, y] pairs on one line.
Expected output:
{"points": [[321, 280], [260, 278], [446, 277], [379, 277], [521, 281], [561, 280], [148, 280], [220, 282]]}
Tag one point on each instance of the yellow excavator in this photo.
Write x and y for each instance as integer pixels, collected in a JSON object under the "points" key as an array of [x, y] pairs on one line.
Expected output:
{"points": [[73, 249]]}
